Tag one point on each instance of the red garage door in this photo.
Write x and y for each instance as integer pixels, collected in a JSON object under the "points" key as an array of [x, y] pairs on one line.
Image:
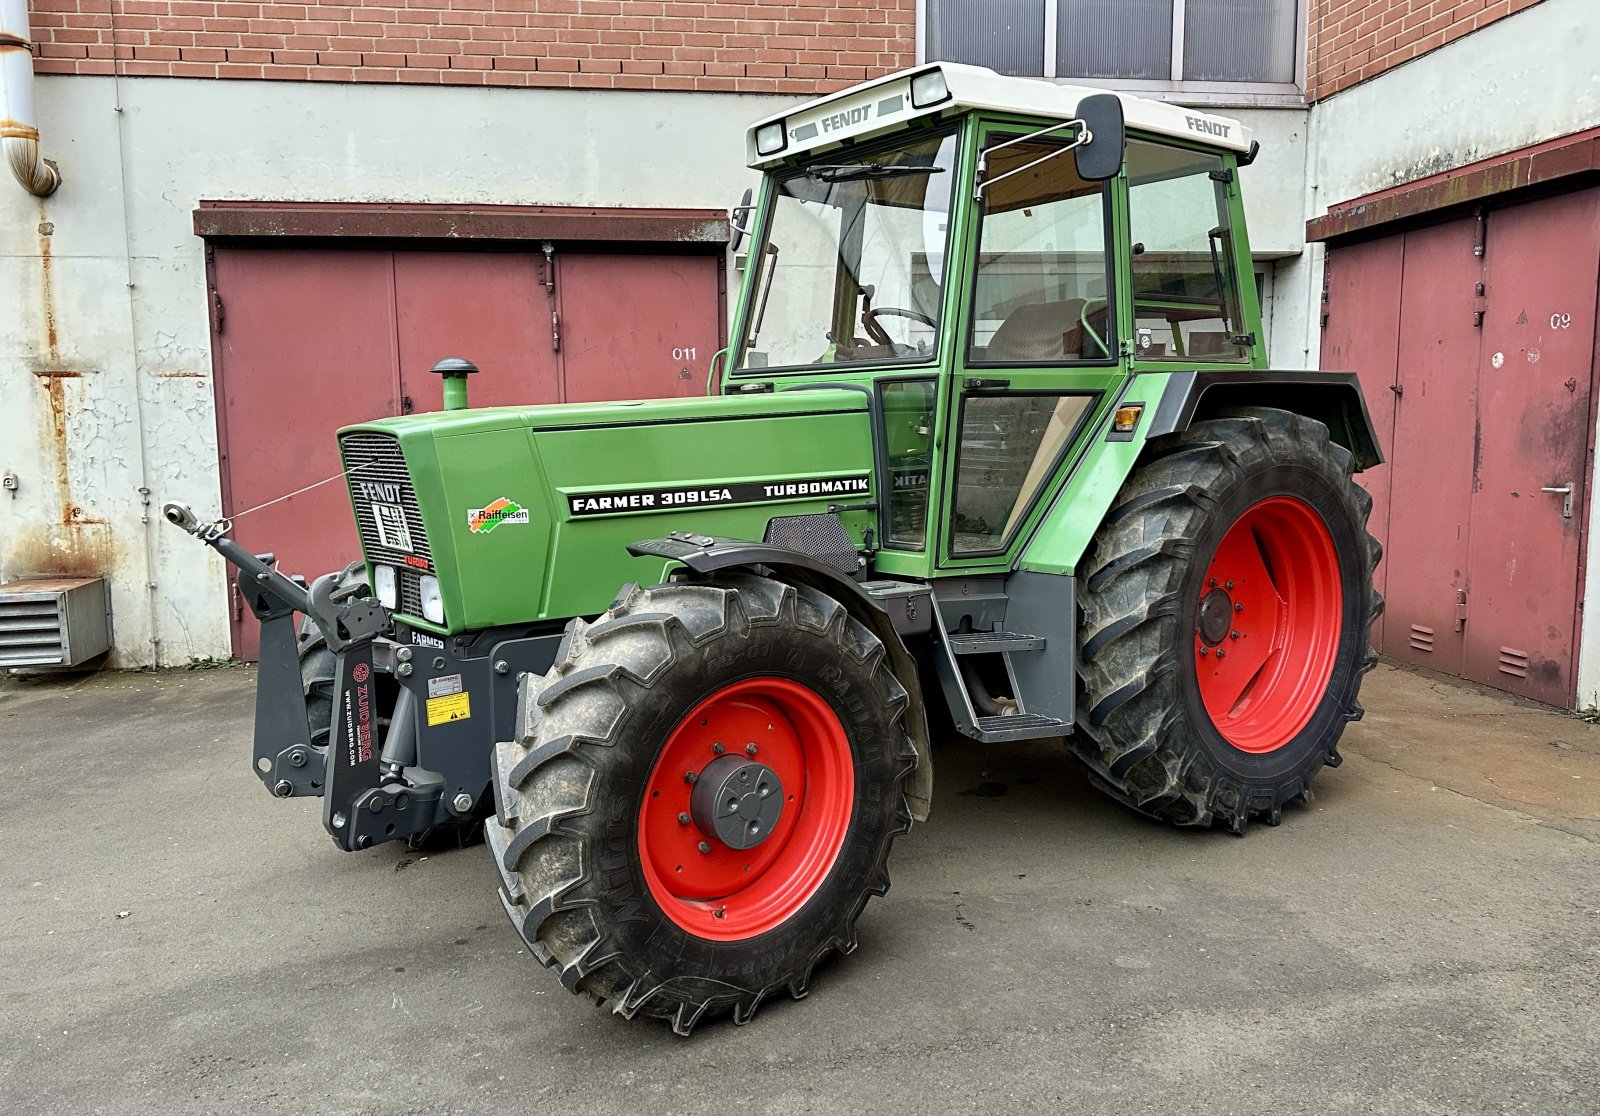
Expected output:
{"points": [[311, 339], [1475, 343]]}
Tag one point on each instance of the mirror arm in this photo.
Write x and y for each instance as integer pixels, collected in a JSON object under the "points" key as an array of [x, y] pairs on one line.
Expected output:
{"points": [[1084, 136]]}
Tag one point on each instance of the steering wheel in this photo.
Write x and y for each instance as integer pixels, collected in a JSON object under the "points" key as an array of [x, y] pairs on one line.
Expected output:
{"points": [[869, 322]]}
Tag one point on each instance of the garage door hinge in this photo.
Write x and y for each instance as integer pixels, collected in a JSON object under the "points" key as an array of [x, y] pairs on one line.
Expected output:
{"points": [[1461, 610], [555, 331], [218, 314]]}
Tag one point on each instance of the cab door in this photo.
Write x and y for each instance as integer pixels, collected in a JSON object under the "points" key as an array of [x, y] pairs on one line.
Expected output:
{"points": [[1037, 352]]}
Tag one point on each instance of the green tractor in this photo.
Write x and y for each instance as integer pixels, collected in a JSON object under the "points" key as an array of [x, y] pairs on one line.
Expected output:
{"points": [[995, 443]]}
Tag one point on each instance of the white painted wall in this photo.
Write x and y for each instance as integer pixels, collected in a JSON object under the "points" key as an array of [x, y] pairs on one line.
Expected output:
{"points": [[110, 266]]}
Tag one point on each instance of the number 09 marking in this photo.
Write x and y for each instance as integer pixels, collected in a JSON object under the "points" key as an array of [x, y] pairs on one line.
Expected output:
{"points": [[1560, 321]]}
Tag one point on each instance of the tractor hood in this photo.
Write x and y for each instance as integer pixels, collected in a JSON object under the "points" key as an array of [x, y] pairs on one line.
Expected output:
{"points": [[470, 508]]}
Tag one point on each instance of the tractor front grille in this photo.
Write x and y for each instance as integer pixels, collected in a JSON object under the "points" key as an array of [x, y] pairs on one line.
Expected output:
{"points": [[386, 510]]}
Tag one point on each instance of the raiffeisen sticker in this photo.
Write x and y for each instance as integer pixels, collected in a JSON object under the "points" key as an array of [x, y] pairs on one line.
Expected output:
{"points": [[483, 520]]}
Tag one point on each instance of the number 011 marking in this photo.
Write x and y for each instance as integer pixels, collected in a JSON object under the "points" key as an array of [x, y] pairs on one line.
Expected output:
{"points": [[685, 353]]}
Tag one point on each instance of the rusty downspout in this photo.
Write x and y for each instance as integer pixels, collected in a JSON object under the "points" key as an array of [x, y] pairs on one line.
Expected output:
{"points": [[19, 127]]}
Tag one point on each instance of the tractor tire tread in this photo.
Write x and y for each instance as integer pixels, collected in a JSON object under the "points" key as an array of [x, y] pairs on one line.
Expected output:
{"points": [[1130, 597], [548, 852]]}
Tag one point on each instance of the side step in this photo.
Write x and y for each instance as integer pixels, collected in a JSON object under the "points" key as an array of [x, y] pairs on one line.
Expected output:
{"points": [[1021, 726], [989, 643], [1041, 709]]}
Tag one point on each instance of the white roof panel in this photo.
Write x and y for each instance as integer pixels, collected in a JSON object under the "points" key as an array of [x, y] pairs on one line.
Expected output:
{"points": [[884, 104]]}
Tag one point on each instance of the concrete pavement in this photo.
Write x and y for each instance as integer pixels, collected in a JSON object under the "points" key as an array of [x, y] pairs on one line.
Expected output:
{"points": [[1424, 939]]}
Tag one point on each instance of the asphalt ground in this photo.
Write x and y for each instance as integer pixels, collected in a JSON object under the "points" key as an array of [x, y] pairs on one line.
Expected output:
{"points": [[1424, 939]]}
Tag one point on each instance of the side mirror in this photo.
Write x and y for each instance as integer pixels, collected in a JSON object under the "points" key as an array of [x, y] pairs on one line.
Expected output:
{"points": [[737, 219], [1101, 157]]}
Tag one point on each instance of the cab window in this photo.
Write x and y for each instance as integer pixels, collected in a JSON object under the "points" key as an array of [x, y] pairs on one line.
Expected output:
{"points": [[1185, 285], [1039, 297]]}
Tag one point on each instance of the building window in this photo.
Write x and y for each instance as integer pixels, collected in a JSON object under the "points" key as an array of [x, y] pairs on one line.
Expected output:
{"points": [[1251, 42]]}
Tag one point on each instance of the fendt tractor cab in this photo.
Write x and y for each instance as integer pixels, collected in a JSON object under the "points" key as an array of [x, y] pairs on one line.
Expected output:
{"points": [[994, 443]]}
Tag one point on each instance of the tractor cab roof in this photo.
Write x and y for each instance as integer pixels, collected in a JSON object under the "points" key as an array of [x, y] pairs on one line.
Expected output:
{"points": [[947, 89]]}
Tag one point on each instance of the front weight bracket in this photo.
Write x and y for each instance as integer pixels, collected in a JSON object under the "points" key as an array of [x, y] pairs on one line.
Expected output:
{"points": [[353, 764]]}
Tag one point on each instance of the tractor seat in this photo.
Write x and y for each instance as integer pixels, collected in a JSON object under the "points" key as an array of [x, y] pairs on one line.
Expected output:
{"points": [[1039, 331]]}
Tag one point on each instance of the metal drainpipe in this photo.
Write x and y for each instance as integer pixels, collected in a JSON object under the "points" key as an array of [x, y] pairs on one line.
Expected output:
{"points": [[19, 127]]}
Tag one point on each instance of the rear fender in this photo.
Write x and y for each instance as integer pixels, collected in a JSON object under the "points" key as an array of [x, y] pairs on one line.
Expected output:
{"points": [[703, 554], [1332, 398], [1171, 402]]}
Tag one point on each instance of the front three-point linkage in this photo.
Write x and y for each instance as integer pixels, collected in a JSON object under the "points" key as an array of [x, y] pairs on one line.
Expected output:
{"points": [[359, 777]]}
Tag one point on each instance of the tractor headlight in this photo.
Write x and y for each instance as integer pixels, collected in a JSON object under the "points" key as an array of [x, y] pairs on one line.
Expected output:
{"points": [[929, 89], [771, 138], [387, 586], [432, 601]]}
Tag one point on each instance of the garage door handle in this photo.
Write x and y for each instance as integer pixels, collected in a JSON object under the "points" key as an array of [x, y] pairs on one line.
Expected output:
{"points": [[1566, 503]]}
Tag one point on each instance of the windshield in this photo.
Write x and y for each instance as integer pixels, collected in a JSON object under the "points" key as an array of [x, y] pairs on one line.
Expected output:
{"points": [[853, 266]]}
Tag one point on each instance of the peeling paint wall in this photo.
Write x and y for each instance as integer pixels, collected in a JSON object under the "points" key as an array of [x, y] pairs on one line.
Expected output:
{"points": [[106, 396], [1521, 80]]}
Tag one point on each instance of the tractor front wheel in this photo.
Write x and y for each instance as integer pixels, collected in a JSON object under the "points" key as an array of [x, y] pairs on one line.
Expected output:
{"points": [[708, 784], [1226, 603]]}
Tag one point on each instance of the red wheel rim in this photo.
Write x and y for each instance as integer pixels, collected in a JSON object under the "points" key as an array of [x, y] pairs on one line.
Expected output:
{"points": [[1267, 631], [726, 894]]}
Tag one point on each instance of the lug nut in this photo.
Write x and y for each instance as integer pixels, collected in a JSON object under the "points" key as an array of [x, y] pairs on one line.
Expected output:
{"points": [[690, 777], [750, 749], [1229, 585], [1204, 652], [1221, 654], [1211, 583], [683, 819], [463, 802], [718, 748], [705, 846], [1233, 635], [1237, 607]]}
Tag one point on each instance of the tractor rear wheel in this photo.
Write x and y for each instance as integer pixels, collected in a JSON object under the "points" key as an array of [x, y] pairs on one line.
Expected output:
{"points": [[1226, 603], [710, 778]]}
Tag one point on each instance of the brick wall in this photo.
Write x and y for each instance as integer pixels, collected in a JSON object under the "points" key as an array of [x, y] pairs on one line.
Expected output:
{"points": [[1352, 40], [759, 46]]}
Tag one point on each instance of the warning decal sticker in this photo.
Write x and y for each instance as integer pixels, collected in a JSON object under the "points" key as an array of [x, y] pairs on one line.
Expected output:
{"points": [[451, 707]]}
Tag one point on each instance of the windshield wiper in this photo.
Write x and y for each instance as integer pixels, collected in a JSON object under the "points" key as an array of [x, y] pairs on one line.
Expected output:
{"points": [[855, 172]]}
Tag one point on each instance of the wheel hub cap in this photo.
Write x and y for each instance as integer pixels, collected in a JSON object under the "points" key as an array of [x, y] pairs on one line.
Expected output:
{"points": [[737, 801], [1216, 616]]}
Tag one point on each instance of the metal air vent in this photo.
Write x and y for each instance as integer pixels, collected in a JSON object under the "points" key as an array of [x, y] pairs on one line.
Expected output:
{"points": [[55, 621]]}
